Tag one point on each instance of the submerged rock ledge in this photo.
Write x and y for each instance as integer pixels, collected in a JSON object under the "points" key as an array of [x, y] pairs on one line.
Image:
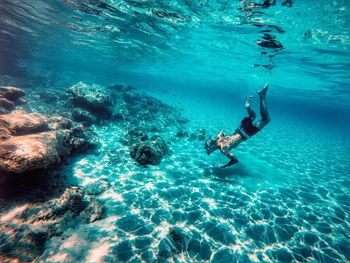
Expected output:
{"points": [[30, 141], [25, 229]]}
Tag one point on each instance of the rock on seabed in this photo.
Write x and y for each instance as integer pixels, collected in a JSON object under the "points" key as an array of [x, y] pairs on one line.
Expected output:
{"points": [[30, 141]]}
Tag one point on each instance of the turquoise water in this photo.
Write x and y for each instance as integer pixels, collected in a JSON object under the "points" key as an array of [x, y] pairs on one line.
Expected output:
{"points": [[287, 199]]}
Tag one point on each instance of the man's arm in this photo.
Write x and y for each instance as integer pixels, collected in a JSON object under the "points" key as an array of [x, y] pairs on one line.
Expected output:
{"points": [[232, 158]]}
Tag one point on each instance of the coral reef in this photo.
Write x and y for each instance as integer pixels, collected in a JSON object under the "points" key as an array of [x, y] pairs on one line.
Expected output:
{"points": [[93, 98], [25, 229], [30, 141]]}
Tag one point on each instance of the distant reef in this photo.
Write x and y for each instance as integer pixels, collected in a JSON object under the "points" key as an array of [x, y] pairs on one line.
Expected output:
{"points": [[138, 114], [58, 122]]}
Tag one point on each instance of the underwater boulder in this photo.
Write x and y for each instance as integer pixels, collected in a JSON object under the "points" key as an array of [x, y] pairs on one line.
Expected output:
{"points": [[97, 187], [70, 201], [82, 139], [93, 211], [30, 141], [94, 98], [150, 151], [59, 123], [26, 228], [29, 152], [175, 242], [83, 116], [21, 123], [6, 105], [11, 93], [9, 98]]}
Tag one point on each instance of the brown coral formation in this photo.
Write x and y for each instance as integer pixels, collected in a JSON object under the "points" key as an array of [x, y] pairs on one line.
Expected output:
{"points": [[30, 141]]}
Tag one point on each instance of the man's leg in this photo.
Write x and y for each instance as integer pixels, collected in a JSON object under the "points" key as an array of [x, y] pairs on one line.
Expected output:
{"points": [[247, 106], [265, 117]]}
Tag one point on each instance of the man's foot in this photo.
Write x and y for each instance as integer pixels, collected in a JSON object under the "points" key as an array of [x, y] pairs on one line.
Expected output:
{"points": [[231, 162], [247, 102], [263, 91]]}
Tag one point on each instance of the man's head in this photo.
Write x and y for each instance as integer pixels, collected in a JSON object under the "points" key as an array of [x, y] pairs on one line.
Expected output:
{"points": [[210, 145]]}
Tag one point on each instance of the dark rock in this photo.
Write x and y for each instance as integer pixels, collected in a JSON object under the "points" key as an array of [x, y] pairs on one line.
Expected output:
{"points": [[3, 110], [179, 238], [140, 110], [82, 139], [59, 123], [151, 151], [97, 187], [71, 200], [9, 98], [83, 116], [11, 93], [93, 212], [25, 230], [6, 104], [175, 242], [93, 97]]}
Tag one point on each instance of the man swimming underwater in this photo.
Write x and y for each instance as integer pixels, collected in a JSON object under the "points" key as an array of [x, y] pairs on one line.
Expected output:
{"points": [[246, 130]]}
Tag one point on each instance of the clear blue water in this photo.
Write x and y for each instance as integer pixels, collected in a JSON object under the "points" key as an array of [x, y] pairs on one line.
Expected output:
{"points": [[288, 198]]}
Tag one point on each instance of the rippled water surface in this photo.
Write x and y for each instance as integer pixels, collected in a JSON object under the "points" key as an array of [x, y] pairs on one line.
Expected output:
{"points": [[287, 200]]}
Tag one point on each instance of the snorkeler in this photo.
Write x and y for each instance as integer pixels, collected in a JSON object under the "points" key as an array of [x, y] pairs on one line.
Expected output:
{"points": [[225, 143]]}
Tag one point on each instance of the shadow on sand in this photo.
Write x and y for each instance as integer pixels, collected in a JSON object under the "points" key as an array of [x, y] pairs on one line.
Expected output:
{"points": [[228, 174]]}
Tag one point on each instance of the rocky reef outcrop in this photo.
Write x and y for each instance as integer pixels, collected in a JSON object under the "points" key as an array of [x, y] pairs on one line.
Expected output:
{"points": [[93, 98], [30, 141], [9, 98], [25, 229], [143, 112]]}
